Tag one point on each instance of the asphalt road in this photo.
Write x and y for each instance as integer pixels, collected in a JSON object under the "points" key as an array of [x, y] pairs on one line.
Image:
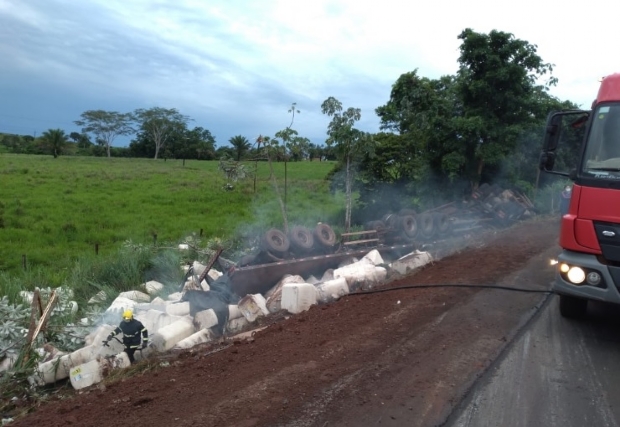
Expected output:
{"points": [[557, 372]]}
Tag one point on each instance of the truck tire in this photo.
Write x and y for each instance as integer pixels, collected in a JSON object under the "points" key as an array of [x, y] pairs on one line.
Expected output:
{"points": [[573, 307], [409, 226], [390, 220], [301, 239], [442, 223], [426, 225], [325, 235], [275, 241]]}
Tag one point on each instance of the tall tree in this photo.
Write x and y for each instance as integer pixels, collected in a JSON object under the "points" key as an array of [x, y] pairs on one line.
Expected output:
{"points": [[55, 141], [160, 124], [348, 141], [105, 125], [499, 87], [241, 145]]}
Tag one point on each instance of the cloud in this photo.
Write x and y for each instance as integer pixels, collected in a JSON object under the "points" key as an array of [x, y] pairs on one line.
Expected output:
{"points": [[236, 67]]}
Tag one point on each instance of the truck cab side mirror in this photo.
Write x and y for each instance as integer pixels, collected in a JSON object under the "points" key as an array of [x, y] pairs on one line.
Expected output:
{"points": [[553, 131], [546, 161]]}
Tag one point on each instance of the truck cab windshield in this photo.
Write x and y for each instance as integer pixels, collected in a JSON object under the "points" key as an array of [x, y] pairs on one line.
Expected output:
{"points": [[602, 154]]}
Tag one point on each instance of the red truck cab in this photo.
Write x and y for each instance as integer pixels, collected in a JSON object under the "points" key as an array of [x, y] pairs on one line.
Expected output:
{"points": [[589, 265]]}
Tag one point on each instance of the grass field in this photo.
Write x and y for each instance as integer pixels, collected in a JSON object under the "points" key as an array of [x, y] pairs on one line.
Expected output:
{"points": [[54, 212]]}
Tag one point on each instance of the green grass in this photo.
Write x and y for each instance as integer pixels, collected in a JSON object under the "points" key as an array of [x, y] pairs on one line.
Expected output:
{"points": [[54, 212]]}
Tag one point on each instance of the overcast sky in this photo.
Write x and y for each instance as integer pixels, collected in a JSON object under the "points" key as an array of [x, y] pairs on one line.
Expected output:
{"points": [[235, 67]]}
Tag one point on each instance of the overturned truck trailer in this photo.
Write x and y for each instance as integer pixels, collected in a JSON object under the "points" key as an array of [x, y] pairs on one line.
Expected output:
{"points": [[307, 252]]}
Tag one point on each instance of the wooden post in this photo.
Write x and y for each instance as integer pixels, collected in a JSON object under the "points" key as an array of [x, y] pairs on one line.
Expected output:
{"points": [[24, 262], [96, 248], [155, 239]]}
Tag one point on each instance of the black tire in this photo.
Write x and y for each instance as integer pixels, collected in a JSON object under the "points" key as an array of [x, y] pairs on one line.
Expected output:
{"points": [[409, 226], [426, 225], [390, 220], [325, 235], [573, 307], [301, 239], [442, 223], [377, 225], [275, 241]]}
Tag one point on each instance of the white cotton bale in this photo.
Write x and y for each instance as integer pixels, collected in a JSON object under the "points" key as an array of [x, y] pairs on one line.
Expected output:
{"points": [[332, 290], [92, 372], [373, 257], [237, 325], [85, 375], [99, 298], [183, 246], [205, 319], [99, 334], [411, 262], [312, 280], [347, 261], [274, 295], [154, 320], [168, 336], [198, 268], [176, 296], [136, 296], [287, 278], [214, 274], [253, 306], [234, 312], [328, 275], [200, 337], [153, 287], [58, 368], [178, 309], [205, 286], [158, 301], [114, 312], [298, 297], [361, 275]]}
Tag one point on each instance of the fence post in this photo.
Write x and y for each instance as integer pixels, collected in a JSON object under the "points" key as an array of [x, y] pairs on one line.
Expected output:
{"points": [[24, 264]]}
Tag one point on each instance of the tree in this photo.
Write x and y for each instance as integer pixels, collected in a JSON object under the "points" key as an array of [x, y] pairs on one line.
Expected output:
{"points": [[105, 125], [241, 145], [55, 141], [80, 139], [348, 141], [159, 124], [498, 84]]}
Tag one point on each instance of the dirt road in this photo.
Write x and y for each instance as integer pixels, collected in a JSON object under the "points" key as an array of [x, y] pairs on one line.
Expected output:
{"points": [[399, 357]]}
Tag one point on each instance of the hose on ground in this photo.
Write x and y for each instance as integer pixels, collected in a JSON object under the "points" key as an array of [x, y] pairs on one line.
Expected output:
{"points": [[506, 288]]}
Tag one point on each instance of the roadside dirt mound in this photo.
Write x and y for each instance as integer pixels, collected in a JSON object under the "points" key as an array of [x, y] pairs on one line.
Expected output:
{"points": [[399, 357]]}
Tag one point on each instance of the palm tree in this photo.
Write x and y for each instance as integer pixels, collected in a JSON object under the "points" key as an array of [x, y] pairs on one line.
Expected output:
{"points": [[240, 144], [55, 139]]}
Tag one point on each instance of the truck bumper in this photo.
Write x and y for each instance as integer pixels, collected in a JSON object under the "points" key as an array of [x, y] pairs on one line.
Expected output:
{"points": [[607, 292]]}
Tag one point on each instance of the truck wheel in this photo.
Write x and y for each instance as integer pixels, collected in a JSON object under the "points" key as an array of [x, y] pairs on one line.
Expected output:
{"points": [[572, 307], [409, 225], [325, 235], [442, 223], [275, 241], [301, 238], [390, 220], [426, 225]]}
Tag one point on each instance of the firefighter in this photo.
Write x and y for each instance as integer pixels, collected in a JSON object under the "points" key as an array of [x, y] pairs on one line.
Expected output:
{"points": [[135, 335]]}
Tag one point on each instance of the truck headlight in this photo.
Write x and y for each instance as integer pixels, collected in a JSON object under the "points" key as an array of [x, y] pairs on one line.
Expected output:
{"points": [[576, 275]]}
